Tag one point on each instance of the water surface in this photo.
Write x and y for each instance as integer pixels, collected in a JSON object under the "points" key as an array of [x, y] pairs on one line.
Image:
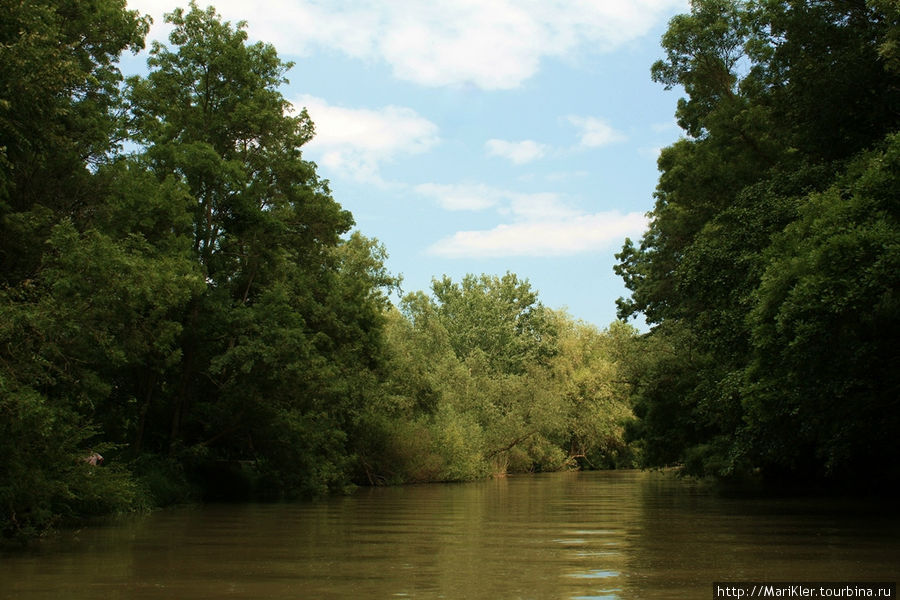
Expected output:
{"points": [[613, 535]]}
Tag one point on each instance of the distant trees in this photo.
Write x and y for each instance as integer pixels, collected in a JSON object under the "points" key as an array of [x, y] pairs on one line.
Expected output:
{"points": [[483, 379], [769, 268]]}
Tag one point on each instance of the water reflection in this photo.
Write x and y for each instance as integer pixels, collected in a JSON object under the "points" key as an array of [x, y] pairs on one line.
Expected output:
{"points": [[593, 535]]}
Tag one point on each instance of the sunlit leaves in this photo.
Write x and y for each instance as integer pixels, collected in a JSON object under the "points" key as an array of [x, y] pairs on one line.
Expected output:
{"points": [[496, 382]]}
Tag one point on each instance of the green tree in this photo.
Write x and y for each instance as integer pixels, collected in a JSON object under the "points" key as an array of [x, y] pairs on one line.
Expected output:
{"points": [[87, 347], [77, 299], [592, 375], [58, 106], [826, 74], [781, 97], [418, 430], [499, 316], [276, 347], [823, 379], [484, 380], [504, 337]]}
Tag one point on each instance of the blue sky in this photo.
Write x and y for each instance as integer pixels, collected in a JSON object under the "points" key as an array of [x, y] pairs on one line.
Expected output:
{"points": [[481, 136]]}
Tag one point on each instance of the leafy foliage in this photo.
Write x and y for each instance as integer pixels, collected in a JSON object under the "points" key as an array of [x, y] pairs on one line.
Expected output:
{"points": [[489, 381], [192, 310], [768, 268]]}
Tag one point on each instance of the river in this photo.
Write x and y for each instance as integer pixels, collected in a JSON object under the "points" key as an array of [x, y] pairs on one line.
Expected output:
{"points": [[614, 535]]}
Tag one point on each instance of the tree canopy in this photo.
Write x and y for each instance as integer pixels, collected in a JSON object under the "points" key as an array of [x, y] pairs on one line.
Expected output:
{"points": [[768, 270], [189, 308], [484, 380]]}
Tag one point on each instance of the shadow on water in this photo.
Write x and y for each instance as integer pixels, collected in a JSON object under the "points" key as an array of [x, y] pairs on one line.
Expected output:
{"points": [[613, 535], [693, 535]]}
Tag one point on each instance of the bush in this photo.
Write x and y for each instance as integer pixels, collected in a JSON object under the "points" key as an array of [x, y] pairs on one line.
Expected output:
{"points": [[46, 480], [163, 481]]}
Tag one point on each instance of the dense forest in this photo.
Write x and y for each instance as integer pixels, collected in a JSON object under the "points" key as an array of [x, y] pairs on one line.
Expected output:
{"points": [[181, 294], [771, 268]]}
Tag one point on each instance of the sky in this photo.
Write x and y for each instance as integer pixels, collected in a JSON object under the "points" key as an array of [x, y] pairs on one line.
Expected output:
{"points": [[480, 136]]}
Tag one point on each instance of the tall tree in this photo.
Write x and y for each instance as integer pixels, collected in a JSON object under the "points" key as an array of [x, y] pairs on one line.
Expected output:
{"points": [[591, 375], [781, 96], [58, 104], [264, 343], [498, 316], [826, 330], [59, 273]]}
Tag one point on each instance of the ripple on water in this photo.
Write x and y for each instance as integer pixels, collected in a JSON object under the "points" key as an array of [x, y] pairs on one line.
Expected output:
{"points": [[579, 536], [570, 542], [594, 574]]}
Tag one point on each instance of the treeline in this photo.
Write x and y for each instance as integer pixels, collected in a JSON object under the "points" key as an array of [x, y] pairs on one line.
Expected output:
{"points": [[484, 380], [180, 294], [771, 268]]}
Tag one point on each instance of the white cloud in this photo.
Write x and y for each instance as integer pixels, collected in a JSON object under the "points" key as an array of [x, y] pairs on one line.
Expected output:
{"points": [[478, 197], [517, 152], [651, 152], [566, 236], [355, 141], [493, 45], [595, 132], [538, 207], [462, 196], [667, 127], [542, 224]]}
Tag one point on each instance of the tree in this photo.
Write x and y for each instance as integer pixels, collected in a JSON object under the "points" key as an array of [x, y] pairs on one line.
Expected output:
{"points": [[275, 347], [499, 316], [483, 379], [58, 106], [826, 328], [781, 97], [591, 376], [59, 269], [826, 74]]}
